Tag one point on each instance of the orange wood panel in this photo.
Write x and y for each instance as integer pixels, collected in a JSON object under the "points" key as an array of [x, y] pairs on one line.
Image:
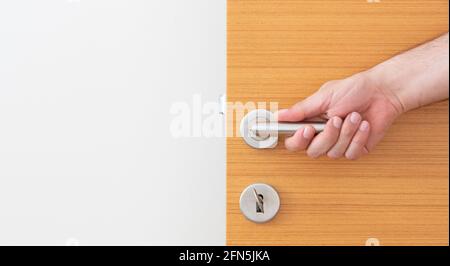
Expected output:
{"points": [[282, 51]]}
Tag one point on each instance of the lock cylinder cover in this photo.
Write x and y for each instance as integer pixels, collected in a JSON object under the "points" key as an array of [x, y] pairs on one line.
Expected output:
{"points": [[259, 203]]}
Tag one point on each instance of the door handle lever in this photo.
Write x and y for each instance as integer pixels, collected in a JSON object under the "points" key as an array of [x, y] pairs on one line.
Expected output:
{"points": [[284, 128], [259, 129]]}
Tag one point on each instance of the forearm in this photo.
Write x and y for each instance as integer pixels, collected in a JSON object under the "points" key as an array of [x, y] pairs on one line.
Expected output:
{"points": [[417, 77]]}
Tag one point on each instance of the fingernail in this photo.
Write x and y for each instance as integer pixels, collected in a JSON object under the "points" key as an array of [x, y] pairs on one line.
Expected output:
{"points": [[355, 117], [307, 133], [337, 122], [364, 126]]}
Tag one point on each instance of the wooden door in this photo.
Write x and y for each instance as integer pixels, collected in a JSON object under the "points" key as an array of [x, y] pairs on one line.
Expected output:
{"points": [[282, 51]]}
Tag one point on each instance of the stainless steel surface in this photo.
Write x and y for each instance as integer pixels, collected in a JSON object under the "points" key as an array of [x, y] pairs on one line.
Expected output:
{"points": [[284, 128], [258, 141], [259, 203], [260, 130]]}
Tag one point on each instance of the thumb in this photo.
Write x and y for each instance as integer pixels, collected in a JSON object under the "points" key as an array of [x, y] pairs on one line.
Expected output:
{"points": [[312, 106]]}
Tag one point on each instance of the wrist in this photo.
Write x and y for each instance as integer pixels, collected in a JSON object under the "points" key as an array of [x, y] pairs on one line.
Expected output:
{"points": [[378, 77], [415, 78]]}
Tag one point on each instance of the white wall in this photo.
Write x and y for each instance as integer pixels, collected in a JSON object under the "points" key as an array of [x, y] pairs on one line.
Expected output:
{"points": [[86, 155]]}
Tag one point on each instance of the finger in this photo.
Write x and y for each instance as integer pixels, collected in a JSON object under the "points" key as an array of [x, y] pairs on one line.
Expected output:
{"points": [[326, 139], [357, 147], [349, 128], [312, 106], [301, 139]]}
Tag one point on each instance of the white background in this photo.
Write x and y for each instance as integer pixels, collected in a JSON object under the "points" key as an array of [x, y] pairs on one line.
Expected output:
{"points": [[86, 155]]}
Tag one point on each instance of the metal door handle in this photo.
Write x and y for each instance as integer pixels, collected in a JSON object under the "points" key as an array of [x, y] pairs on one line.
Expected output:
{"points": [[284, 128], [260, 131]]}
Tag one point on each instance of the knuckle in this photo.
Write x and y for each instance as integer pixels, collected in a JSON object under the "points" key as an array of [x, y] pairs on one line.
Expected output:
{"points": [[352, 155], [334, 155], [294, 144], [347, 132], [312, 154], [291, 146]]}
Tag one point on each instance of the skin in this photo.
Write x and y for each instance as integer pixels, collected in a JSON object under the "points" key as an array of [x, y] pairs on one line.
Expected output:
{"points": [[361, 108]]}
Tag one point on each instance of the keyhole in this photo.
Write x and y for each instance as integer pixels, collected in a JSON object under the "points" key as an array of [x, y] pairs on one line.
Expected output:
{"points": [[260, 204]]}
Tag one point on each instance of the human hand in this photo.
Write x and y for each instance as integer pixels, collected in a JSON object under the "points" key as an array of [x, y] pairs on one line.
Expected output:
{"points": [[359, 115], [361, 108]]}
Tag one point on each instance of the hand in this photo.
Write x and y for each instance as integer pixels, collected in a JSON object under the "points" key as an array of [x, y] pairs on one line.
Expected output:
{"points": [[361, 108], [359, 115]]}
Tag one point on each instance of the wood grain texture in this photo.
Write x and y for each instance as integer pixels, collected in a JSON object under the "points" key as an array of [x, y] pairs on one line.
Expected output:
{"points": [[283, 50]]}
